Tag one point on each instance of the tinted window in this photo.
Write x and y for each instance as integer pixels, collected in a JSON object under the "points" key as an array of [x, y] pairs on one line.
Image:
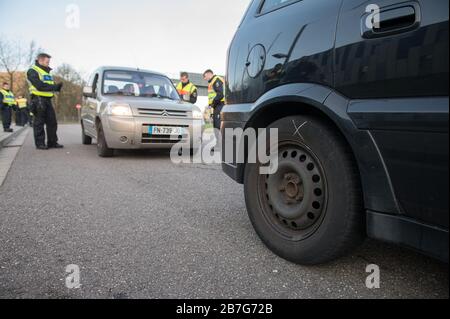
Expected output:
{"points": [[269, 5]]}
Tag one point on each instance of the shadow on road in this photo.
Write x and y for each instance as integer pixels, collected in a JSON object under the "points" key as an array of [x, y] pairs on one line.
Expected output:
{"points": [[139, 154]]}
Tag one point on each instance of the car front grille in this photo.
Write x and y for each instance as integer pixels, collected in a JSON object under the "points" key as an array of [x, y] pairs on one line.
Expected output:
{"points": [[161, 139], [163, 113]]}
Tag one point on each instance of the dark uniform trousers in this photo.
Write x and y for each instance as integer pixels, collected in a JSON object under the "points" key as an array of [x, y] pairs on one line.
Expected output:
{"points": [[21, 116], [216, 115], [24, 116], [6, 116], [44, 115]]}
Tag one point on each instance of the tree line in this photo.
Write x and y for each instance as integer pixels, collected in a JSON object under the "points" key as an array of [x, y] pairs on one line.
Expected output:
{"points": [[16, 58]]}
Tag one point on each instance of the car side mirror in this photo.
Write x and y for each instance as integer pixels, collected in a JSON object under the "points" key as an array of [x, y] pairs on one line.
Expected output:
{"points": [[88, 92]]}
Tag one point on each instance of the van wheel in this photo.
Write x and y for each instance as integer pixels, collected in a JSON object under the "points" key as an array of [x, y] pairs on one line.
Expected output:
{"points": [[102, 147], [310, 211], [86, 140]]}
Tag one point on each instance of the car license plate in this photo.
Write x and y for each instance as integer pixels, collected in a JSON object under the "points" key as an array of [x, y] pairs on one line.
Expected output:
{"points": [[165, 130]]}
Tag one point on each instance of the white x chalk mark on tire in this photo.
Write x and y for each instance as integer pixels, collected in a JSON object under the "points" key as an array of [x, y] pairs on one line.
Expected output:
{"points": [[298, 128]]}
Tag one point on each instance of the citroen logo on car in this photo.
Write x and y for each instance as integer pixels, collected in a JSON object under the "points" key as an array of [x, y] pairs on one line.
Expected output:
{"points": [[165, 113]]}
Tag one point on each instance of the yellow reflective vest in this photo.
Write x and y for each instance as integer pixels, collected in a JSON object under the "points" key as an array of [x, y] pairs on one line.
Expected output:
{"points": [[8, 97], [22, 103], [211, 92], [186, 91], [44, 77]]}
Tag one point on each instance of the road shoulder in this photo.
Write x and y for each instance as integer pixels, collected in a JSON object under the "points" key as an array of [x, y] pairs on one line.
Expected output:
{"points": [[8, 151]]}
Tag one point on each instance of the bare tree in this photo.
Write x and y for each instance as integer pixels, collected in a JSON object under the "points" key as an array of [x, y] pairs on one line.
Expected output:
{"points": [[13, 56], [71, 95], [69, 74], [10, 57], [31, 54]]}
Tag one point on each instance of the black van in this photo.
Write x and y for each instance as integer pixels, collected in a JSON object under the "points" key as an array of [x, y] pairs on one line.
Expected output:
{"points": [[359, 93]]}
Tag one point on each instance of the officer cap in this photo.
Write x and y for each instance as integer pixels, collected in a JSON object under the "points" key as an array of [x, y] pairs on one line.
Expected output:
{"points": [[43, 55]]}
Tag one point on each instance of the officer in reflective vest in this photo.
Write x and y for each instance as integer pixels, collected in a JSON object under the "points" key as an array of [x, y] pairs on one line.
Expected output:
{"points": [[216, 95], [22, 111], [42, 88], [186, 89], [7, 104]]}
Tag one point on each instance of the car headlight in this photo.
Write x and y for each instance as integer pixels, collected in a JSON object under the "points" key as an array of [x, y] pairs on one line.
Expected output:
{"points": [[119, 109], [197, 115]]}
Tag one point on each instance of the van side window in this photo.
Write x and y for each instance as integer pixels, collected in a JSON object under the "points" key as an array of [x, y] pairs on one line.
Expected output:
{"points": [[269, 5]]}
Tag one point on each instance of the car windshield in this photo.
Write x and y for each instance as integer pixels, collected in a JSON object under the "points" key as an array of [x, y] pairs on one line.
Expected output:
{"points": [[139, 84]]}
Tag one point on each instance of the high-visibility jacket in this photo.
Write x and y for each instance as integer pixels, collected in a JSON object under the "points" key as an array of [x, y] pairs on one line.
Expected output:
{"points": [[44, 77], [211, 92], [8, 97], [22, 103], [186, 91]]}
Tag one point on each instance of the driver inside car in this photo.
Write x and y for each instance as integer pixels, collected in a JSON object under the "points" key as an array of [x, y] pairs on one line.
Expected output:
{"points": [[128, 89]]}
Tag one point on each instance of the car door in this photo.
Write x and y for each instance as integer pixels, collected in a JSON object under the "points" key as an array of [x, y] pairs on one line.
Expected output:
{"points": [[396, 76], [278, 43], [89, 110]]}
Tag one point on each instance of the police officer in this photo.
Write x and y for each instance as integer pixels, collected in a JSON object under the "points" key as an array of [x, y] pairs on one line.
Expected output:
{"points": [[22, 111], [216, 95], [186, 89], [42, 88], [7, 104]]}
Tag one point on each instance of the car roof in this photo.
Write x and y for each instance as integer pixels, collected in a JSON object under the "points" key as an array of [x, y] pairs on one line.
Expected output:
{"points": [[121, 68]]}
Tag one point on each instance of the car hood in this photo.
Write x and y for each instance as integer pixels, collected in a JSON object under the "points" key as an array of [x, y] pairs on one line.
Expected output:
{"points": [[151, 103]]}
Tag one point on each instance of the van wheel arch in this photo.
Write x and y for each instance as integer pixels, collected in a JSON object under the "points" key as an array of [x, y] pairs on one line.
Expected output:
{"points": [[273, 112]]}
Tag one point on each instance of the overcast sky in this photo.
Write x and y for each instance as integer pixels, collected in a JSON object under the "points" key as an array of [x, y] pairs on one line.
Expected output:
{"points": [[162, 35]]}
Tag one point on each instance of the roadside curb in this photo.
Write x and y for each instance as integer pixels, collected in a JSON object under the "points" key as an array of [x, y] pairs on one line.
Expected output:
{"points": [[8, 138]]}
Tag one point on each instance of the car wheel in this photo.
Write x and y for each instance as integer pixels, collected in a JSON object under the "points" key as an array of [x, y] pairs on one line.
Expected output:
{"points": [[102, 147], [86, 140], [310, 211]]}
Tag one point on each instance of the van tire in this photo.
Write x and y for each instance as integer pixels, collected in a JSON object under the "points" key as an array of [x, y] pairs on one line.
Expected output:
{"points": [[339, 225]]}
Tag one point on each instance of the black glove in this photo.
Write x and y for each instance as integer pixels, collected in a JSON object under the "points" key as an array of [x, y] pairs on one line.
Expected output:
{"points": [[59, 87]]}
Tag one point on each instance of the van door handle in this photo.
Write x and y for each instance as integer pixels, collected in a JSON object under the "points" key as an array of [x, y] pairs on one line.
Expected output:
{"points": [[280, 56], [392, 20]]}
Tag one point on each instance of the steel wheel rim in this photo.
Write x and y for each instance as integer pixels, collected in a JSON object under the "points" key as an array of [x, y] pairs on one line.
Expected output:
{"points": [[294, 199]]}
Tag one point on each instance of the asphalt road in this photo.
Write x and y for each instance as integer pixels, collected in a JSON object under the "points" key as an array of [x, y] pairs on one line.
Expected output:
{"points": [[139, 226]]}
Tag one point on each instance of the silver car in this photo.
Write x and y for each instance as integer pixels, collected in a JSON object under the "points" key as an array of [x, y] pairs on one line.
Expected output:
{"points": [[125, 108]]}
